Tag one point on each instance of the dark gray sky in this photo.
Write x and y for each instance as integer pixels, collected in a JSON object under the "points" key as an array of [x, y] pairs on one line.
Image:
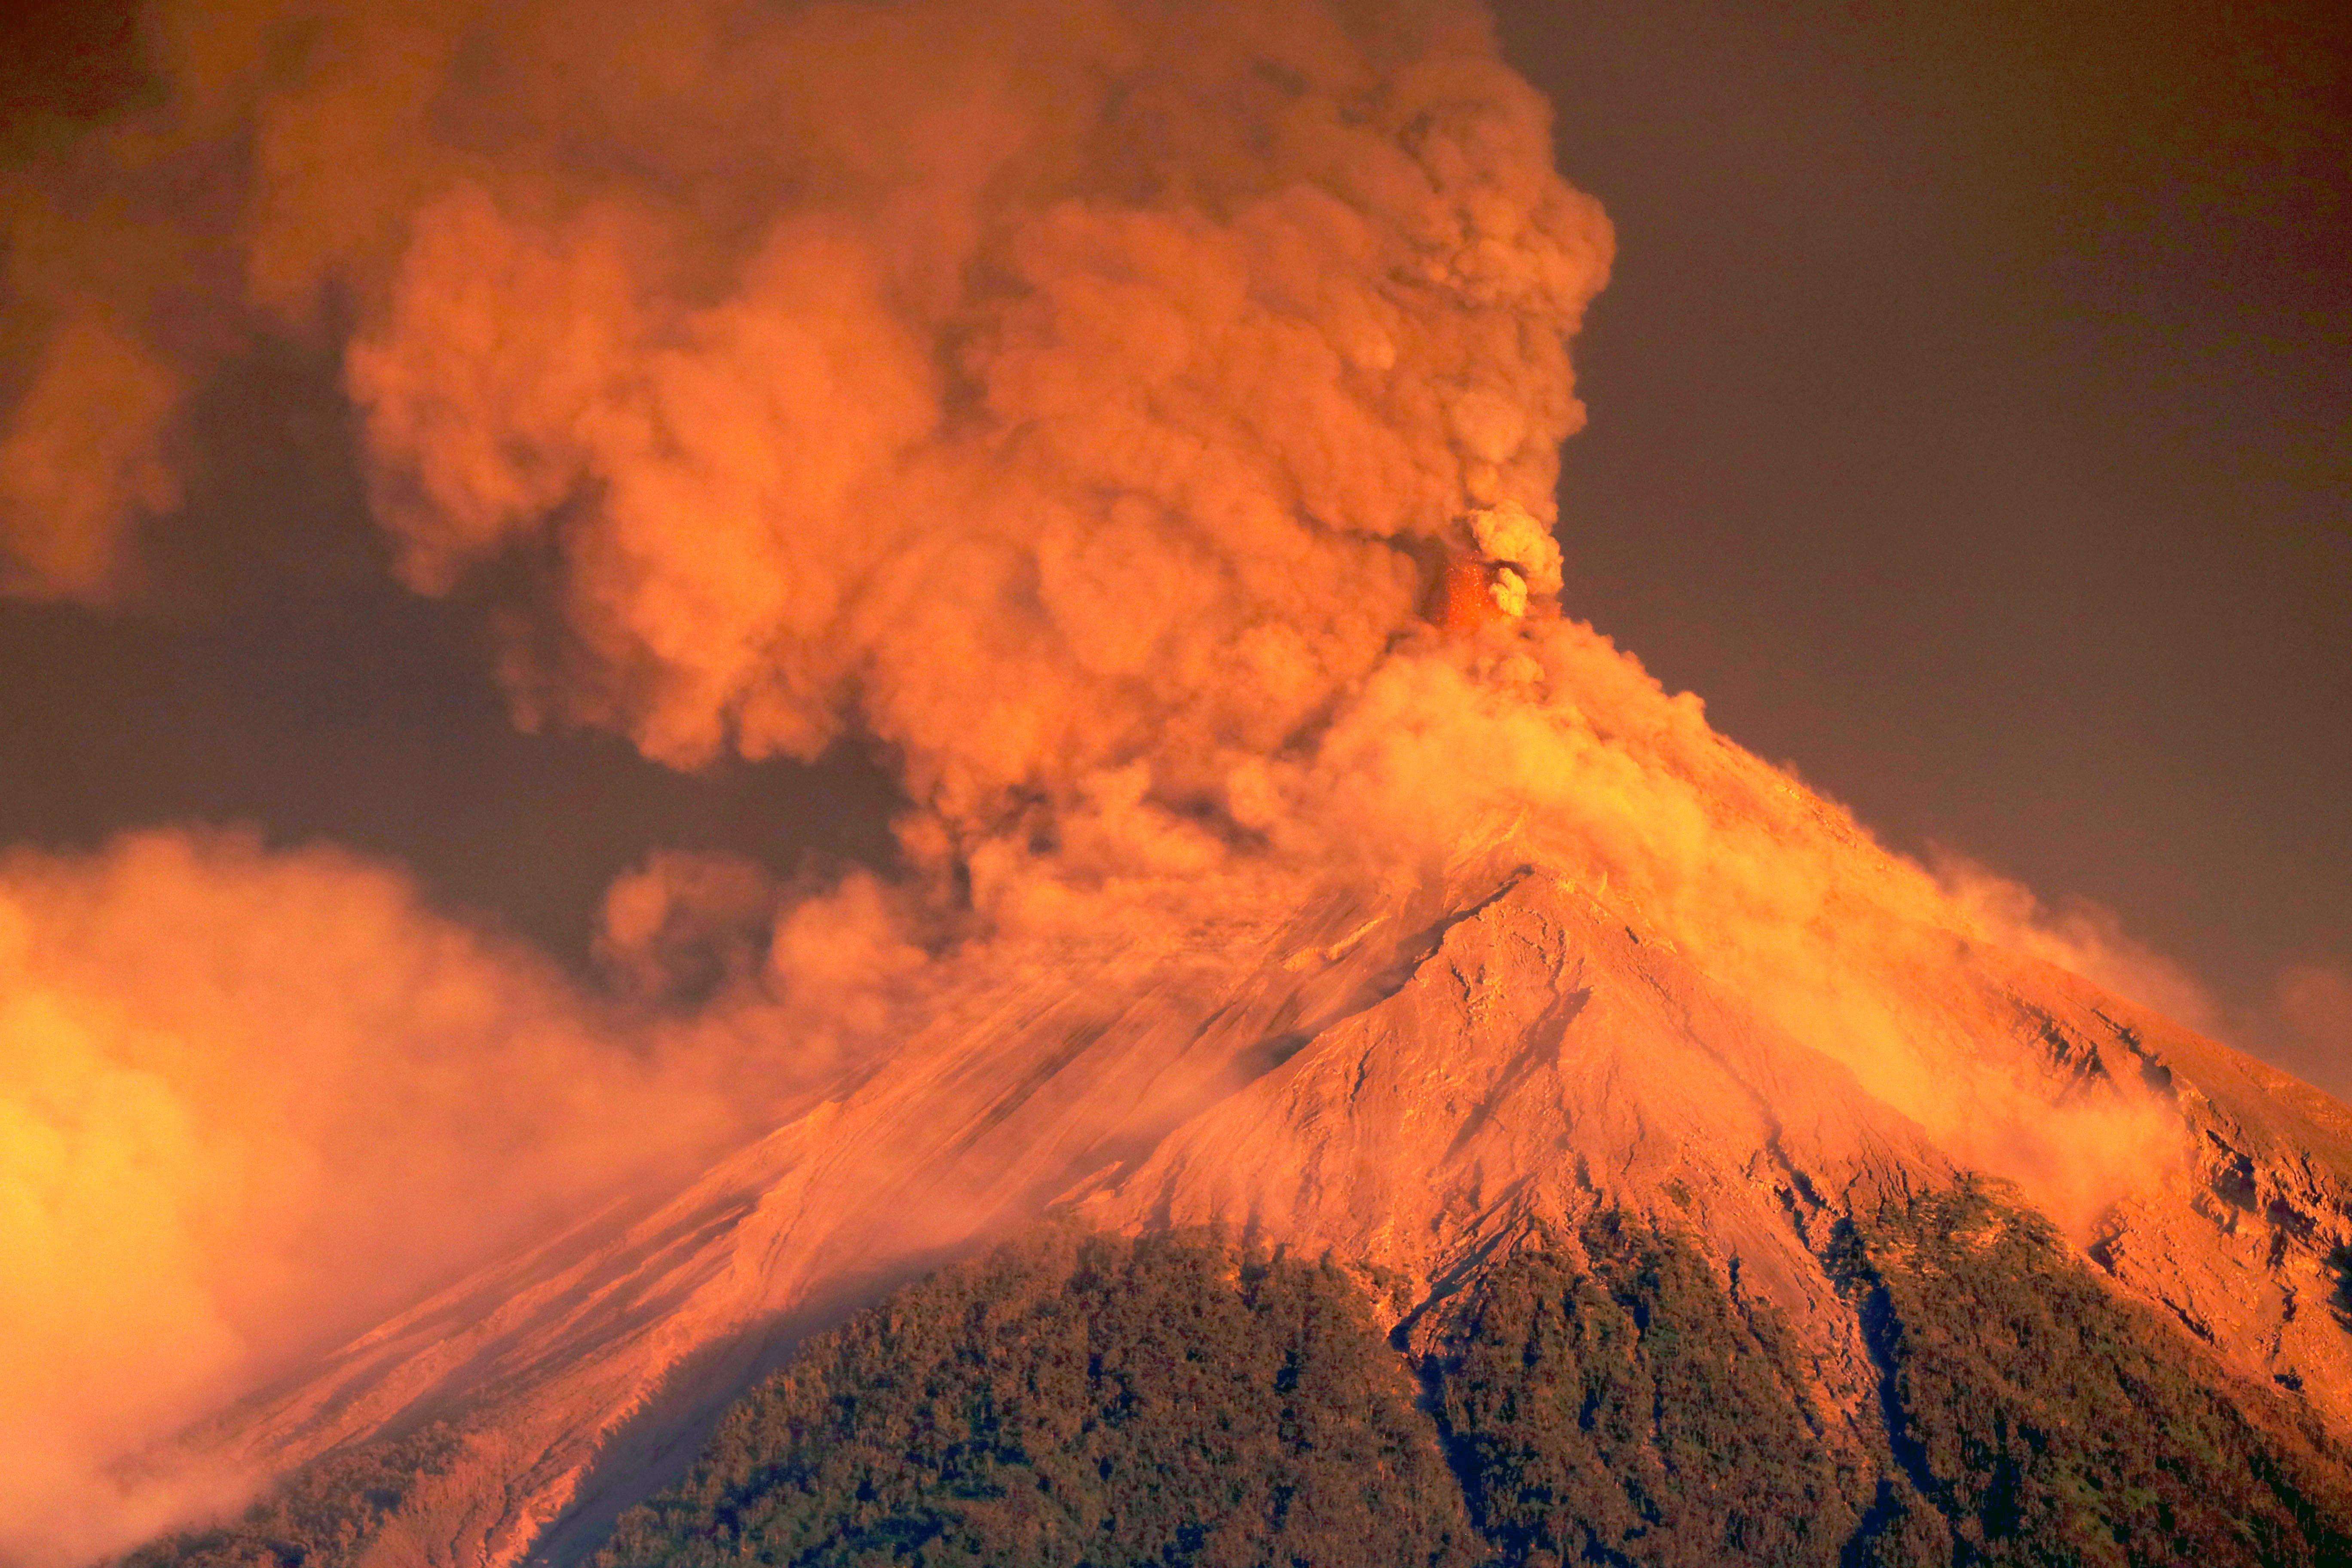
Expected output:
{"points": [[1971, 426]]}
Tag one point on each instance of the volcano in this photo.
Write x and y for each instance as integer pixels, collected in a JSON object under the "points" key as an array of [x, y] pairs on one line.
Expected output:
{"points": [[1330, 1061], [1421, 1086]]}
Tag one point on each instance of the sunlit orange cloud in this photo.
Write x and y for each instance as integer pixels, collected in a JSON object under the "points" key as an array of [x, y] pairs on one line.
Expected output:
{"points": [[82, 463], [248, 1100], [2080, 936]]}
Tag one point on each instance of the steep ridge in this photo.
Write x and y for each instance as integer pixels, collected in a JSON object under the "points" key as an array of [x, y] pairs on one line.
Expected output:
{"points": [[1547, 1058], [1543, 1059], [2249, 1253], [574, 1369], [1414, 1089]]}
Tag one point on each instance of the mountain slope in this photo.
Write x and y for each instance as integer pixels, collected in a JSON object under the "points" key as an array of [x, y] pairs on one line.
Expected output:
{"points": [[1076, 1399], [1603, 1395], [1494, 1059]]}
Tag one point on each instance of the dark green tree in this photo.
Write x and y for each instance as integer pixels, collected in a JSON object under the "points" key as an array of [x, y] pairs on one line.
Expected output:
{"points": [[1074, 1399], [323, 1516], [1077, 1400], [1624, 1407], [2051, 1422]]}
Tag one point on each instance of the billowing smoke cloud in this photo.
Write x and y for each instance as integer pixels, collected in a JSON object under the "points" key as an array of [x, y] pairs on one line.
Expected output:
{"points": [[2083, 937], [1137, 418], [251, 1101], [245, 1101], [1076, 399], [81, 462], [1040, 386]]}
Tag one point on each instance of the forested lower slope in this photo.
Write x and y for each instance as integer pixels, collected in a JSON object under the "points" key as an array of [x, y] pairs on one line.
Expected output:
{"points": [[327, 1515], [1604, 1396], [1080, 1401]]}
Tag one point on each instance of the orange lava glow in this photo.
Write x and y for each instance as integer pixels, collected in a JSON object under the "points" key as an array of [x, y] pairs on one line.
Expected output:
{"points": [[1464, 599]]}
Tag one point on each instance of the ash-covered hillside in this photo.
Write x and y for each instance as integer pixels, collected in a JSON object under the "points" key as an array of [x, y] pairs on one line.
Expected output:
{"points": [[1514, 1132]]}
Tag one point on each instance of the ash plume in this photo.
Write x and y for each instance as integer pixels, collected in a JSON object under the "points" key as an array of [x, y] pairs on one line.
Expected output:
{"points": [[1139, 421], [1047, 386]]}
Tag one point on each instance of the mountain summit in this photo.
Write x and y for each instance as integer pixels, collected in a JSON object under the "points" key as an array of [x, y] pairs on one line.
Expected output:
{"points": [[1417, 1081]]}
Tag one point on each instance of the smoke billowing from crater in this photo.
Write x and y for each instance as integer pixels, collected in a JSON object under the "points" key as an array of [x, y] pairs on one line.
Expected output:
{"points": [[1039, 388], [1137, 420]]}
